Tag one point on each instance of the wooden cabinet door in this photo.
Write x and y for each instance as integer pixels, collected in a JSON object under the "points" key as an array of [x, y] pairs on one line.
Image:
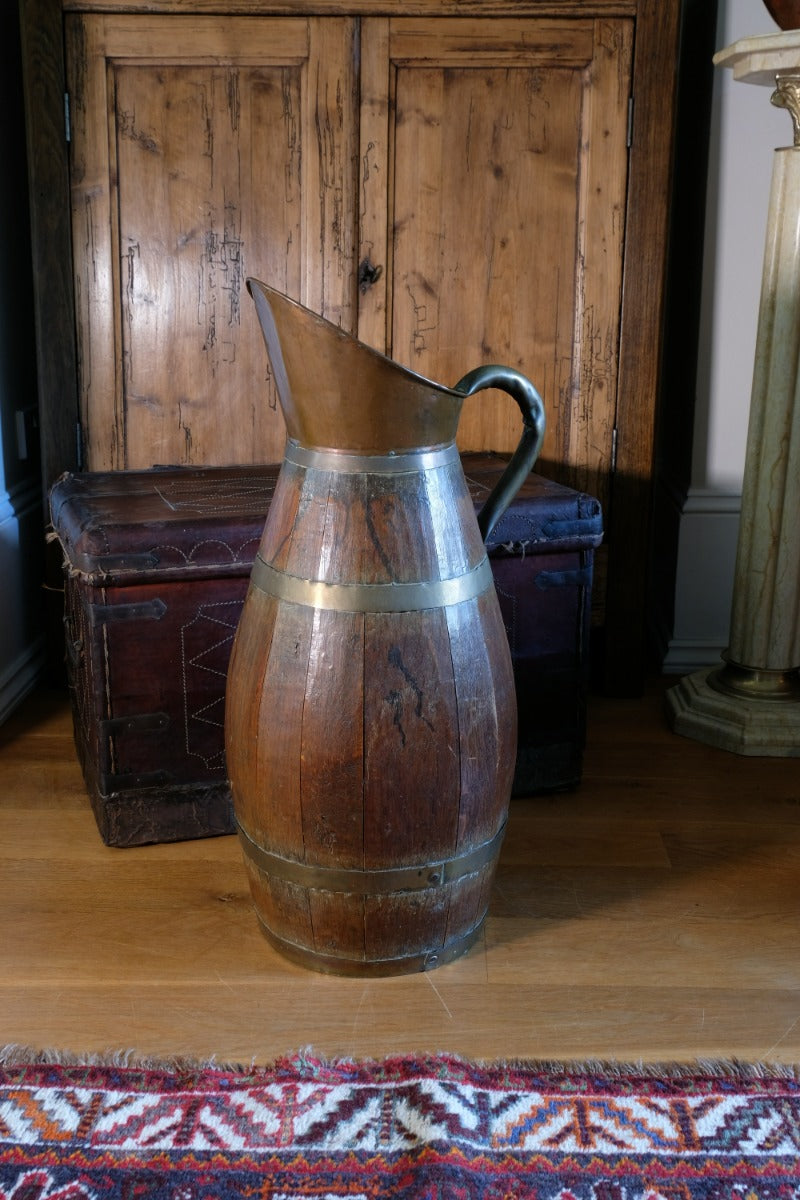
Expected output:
{"points": [[203, 150], [493, 183]]}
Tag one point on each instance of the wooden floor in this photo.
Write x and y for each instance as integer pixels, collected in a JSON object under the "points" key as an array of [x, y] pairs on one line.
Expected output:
{"points": [[653, 913]]}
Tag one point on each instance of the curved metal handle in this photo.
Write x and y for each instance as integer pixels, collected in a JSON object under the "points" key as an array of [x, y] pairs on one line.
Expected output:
{"points": [[533, 421]]}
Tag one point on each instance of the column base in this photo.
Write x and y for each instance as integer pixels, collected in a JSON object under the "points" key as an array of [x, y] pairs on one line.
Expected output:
{"points": [[740, 724]]}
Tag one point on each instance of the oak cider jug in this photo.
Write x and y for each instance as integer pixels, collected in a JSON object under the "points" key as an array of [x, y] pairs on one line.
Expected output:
{"points": [[370, 709]]}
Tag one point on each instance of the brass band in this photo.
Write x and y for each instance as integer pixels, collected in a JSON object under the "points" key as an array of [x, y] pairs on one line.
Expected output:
{"points": [[372, 597], [371, 883], [754, 683], [370, 464], [340, 964]]}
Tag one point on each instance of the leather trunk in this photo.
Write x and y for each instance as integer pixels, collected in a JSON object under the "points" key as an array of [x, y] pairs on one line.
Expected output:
{"points": [[156, 568]]}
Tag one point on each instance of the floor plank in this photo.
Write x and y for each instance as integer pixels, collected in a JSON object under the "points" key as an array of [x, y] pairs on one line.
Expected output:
{"points": [[652, 913]]}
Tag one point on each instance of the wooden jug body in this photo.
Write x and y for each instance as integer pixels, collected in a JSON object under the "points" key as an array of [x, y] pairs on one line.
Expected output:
{"points": [[370, 715]]}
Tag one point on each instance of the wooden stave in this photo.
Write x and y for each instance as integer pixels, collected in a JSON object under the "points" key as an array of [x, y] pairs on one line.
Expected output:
{"points": [[456, 653]]}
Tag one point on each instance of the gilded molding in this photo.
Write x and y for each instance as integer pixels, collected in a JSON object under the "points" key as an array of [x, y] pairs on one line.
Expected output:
{"points": [[787, 95]]}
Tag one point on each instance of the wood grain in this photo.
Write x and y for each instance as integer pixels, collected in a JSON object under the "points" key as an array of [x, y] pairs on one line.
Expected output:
{"points": [[652, 913], [509, 164], [487, 728], [375, 182], [239, 134], [353, 739], [332, 751], [642, 319], [411, 740], [500, 8]]}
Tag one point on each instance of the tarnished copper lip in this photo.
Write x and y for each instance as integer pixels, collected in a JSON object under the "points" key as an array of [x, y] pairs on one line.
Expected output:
{"points": [[401, 463]]}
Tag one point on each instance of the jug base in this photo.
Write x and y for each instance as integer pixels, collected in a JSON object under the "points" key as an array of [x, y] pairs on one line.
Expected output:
{"points": [[332, 964]]}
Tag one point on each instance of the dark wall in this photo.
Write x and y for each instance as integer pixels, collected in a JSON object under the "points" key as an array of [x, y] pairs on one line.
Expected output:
{"points": [[17, 353], [21, 511], [675, 427]]}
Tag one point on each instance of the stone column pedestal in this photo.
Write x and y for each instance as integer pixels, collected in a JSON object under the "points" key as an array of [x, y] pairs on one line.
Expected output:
{"points": [[751, 703]]}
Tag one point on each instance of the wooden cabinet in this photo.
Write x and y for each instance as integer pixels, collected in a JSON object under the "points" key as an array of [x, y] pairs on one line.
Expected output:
{"points": [[455, 189]]}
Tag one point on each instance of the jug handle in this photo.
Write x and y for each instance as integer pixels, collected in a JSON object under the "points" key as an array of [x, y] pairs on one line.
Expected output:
{"points": [[533, 424]]}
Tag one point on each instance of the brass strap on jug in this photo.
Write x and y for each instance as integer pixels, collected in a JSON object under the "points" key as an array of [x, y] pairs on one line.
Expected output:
{"points": [[380, 882], [339, 963], [372, 597]]}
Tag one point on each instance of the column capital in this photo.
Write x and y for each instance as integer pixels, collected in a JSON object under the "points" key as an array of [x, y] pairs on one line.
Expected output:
{"points": [[772, 60], [762, 59]]}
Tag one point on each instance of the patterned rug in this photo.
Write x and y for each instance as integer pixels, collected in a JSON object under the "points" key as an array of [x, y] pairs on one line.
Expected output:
{"points": [[428, 1128]]}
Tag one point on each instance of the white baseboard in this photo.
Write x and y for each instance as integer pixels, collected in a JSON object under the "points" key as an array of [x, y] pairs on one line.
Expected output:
{"points": [[684, 657], [20, 500], [22, 638], [21, 676], [709, 531]]}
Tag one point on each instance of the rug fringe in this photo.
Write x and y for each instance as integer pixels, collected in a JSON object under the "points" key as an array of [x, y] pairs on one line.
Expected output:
{"points": [[307, 1061], [717, 1068], [15, 1054]]}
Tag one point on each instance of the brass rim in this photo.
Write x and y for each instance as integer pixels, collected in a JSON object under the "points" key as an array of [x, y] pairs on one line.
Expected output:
{"points": [[751, 683]]}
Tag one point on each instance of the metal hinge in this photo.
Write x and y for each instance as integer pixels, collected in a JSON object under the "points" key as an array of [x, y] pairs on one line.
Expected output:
{"points": [[67, 119], [613, 450], [143, 610], [630, 122]]}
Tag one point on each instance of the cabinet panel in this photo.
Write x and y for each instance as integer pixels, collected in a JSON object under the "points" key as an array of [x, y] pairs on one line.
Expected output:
{"points": [[494, 185], [203, 150]]}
